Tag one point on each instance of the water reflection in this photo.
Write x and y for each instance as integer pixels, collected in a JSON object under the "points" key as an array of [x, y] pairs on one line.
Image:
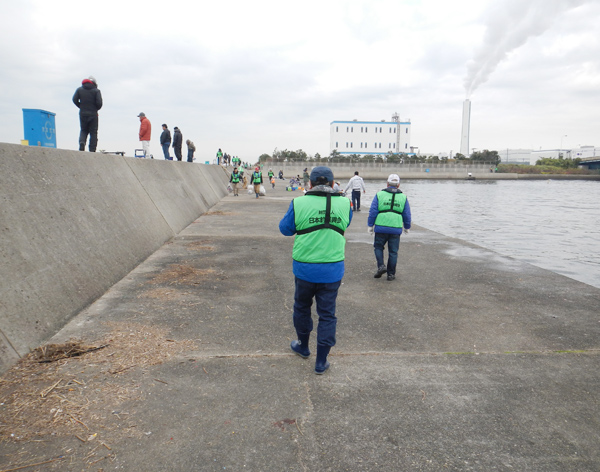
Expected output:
{"points": [[552, 224]]}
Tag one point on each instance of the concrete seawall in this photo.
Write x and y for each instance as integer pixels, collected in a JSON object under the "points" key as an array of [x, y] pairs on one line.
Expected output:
{"points": [[74, 223]]}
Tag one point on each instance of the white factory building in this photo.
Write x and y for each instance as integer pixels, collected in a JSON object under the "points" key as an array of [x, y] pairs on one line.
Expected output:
{"points": [[370, 137]]}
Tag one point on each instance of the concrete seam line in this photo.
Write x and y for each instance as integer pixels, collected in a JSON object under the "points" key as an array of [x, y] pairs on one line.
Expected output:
{"points": [[149, 196], [8, 343]]}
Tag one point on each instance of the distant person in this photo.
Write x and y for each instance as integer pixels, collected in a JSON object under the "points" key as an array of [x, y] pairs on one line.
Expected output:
{"points": [[219, 156], [257, 180], [356, 183], [191, 150], [165, 142], [281, 175], [145, 133], [89, 100], [235, 181], [305, 177], [389, 213], [319, 220], [177, 143]]}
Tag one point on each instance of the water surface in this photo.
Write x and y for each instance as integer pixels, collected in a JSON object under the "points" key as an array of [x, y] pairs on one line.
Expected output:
{"points": [[553, 224]]}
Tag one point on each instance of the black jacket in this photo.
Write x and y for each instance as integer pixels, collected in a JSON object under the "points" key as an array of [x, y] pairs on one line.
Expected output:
{"points": [[88, 99], [177, 139], [165, 136]]}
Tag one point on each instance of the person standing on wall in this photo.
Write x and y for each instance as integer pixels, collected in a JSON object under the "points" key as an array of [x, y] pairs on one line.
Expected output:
{"points": [[165, 142], [177, 143], [389, 213], [145, 134], [357, 184], [319, 220], [191, 150], [219, 156], [89, 100], [257, 180]]}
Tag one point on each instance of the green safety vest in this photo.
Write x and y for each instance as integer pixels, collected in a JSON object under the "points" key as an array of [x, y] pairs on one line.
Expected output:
{"points": [[391, 206], [321, 219], [235, 177], [256, 177]]}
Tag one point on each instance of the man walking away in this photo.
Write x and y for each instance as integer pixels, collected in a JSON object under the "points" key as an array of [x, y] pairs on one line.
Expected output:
{"points": [[165, 142], [389, 213], [145, 133], [318, 219], [89, 100], [356, 183], [177, 142]]}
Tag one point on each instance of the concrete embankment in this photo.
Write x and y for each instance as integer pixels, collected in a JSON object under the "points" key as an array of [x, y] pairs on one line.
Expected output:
{"points": [[468, 361], [74, 223]]}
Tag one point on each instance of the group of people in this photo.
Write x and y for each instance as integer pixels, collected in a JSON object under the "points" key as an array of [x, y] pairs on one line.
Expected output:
{"points": [[88, 99], [165, 140], [318, 220], [227, 160]]}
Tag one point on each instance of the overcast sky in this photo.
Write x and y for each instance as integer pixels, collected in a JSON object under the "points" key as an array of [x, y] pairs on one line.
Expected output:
{"points": [[252, 76]]}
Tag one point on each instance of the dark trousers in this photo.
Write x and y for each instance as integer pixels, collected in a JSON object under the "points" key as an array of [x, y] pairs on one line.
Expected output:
{"points": [[177, 152], [356, 199], [393, 242], [190, 155], [89, 126], [325, 295]]}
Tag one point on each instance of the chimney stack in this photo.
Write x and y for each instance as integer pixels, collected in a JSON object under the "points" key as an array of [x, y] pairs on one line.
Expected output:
{"points": [[466, 125]]}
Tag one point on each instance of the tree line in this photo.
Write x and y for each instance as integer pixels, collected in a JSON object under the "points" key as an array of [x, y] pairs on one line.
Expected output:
{"points": [[490, 157]]}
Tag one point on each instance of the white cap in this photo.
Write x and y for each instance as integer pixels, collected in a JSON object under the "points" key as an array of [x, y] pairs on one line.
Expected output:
{"points": [[394, 179], [93, 79]]}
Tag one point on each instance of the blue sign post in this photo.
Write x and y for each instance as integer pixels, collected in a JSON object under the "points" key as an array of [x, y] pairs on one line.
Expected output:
{"points": [[39, 127]]}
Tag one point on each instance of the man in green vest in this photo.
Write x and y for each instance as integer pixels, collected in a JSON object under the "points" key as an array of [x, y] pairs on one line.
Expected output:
{"points": [[318, 219], [257, 180], [235, 180], [389, 213]]}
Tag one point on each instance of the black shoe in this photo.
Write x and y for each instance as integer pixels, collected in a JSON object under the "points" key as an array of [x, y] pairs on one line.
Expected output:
{"points": [[380, 271], [391, 276]]}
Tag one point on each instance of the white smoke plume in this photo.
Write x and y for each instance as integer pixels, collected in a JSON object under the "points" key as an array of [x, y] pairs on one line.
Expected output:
{"points": [[509, 25]]}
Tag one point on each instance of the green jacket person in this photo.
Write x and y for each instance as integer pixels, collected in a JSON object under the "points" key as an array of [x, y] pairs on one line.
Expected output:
{"points": [[318, 219]]}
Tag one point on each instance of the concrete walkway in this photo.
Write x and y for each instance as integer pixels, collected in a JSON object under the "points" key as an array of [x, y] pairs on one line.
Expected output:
{"points": [[469, 361]]}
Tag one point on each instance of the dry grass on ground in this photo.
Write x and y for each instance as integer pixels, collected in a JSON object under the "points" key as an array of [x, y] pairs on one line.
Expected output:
{"points": [[79, 389]]}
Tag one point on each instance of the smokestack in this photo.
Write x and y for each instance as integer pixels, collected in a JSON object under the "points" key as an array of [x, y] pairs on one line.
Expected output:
{"points": [[466, 125]]}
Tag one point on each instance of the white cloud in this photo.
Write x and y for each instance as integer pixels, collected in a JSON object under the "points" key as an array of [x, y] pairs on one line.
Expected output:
{"points": [[252, 76]]}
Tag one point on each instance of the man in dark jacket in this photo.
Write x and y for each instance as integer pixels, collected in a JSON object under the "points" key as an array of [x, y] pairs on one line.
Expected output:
{"points": [[89, 100], [165, 142], [177, 142]]}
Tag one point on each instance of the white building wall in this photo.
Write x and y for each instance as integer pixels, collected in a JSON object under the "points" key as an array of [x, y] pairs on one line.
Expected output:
{"points": [[369, 137]]}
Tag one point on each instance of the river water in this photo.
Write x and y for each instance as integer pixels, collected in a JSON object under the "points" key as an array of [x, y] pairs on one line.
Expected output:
{"points": [[553, 224]]}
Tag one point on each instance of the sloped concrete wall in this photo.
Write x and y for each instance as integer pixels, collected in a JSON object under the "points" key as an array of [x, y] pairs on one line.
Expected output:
{"points": [[74, 223]]}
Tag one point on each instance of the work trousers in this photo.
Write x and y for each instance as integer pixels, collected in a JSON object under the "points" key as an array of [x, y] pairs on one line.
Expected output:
{"points": [[325, 295], [393, 242]]}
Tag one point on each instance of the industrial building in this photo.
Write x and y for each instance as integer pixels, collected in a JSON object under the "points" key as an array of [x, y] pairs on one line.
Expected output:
{"points": [[370, 137]]}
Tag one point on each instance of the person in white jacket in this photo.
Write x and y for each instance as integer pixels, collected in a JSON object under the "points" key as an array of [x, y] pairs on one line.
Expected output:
{"points": [[356, 183]]}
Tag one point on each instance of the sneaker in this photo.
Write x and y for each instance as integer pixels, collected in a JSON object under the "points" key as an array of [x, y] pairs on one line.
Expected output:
{"points": [[380, 271], [391, 276]]}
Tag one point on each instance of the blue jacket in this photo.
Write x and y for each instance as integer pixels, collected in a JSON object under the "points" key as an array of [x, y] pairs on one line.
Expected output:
{"points": [[316, 273], [374, 211]]}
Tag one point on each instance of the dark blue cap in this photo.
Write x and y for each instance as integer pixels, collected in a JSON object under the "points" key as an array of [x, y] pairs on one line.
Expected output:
{"points": [[321, 175]]}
